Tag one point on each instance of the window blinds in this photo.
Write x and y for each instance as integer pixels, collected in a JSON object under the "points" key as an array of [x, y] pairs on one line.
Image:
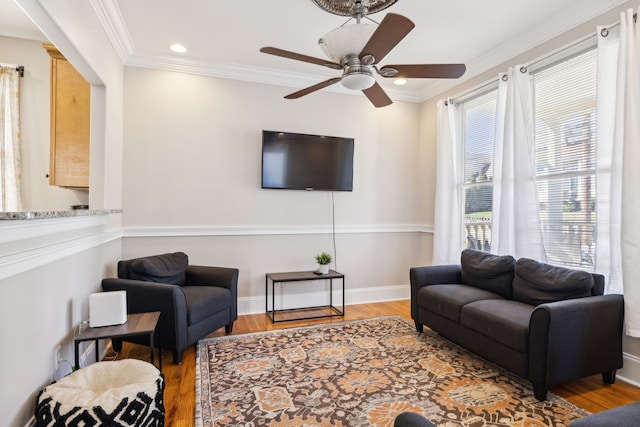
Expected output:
{"points": [[479, 118], [564, 108]]}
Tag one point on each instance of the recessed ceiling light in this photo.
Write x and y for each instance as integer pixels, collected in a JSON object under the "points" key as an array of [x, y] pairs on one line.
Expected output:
{"points": [[178, 48], [400, 82]]}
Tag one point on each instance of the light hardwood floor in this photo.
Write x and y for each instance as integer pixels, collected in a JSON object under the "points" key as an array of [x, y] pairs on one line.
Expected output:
{"points": [[589, 393]]}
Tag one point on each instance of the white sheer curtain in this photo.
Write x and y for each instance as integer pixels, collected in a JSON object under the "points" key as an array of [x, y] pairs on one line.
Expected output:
{"points": [[608, 259], [9, 140], [618, 175], [448, 215], [516, 225]]}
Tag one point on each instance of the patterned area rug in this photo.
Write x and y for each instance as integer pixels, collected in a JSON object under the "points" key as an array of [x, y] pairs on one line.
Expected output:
{"points": [[360, 373]]}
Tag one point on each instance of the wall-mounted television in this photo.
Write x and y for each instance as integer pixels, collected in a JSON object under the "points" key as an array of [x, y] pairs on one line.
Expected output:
{"points": [[296, 161]]}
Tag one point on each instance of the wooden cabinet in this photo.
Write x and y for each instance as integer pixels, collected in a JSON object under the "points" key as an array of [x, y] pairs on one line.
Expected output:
{"points": [[70, 106]]}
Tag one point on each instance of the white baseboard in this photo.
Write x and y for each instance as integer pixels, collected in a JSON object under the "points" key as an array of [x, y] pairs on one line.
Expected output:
{"points": [[378, 294], [256, 305], [631, 369]]}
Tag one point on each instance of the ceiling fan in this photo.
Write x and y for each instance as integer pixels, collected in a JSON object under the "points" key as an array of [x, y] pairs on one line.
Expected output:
{"points": [[358, 48]]}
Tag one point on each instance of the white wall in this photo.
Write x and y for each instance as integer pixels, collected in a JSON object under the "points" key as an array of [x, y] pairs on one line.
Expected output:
{"points": [[193, 150], [38, 311], [48, 268], [192, 177], [36, 193]]}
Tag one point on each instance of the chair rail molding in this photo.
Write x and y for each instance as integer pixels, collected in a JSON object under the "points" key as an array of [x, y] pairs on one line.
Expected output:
{"points": [[267, 230], [30, 243]]}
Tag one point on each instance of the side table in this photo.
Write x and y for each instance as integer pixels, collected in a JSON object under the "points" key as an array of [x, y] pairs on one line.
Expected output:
{"points": [[298, 276], [136, 324]]}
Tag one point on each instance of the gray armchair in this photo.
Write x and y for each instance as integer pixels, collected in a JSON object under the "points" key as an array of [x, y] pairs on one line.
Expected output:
{"points": [[193, 300]]}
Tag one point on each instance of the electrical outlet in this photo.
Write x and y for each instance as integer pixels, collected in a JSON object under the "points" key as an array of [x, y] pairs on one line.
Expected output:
{"points": [[61, 366], [57, 355]]}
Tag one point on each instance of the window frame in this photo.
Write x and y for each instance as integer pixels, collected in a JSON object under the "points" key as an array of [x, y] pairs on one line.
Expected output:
{"points": [[580, 47]]}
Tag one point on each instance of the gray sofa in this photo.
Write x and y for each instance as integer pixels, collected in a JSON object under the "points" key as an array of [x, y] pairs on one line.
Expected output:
{"points": [[622, 416], [411, 419], [545, 323]]}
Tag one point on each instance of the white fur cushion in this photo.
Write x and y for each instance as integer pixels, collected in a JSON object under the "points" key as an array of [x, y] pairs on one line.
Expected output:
{"points": [[129, 392]]}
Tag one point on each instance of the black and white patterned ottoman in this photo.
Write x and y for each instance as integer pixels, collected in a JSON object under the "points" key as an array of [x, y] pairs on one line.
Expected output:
{"points": [[126, 392]]}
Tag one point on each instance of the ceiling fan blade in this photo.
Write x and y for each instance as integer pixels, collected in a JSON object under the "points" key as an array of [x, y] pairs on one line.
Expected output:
{"points": [[426, 71], [308, 90], [377, 96], [300, 57], [391, 30]]}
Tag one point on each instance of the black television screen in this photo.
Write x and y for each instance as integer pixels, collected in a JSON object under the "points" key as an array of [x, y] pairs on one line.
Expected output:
{"points": [[297, 161]]}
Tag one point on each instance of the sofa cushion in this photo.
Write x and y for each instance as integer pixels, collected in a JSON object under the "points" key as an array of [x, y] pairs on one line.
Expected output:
{"points": [[448, 300], [487, 271], [203, 301], [621, 416], [504, 321], [166, 268], [538, 283]]}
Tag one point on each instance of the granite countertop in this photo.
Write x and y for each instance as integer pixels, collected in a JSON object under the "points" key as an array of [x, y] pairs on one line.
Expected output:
{"points": [[22, 215]]}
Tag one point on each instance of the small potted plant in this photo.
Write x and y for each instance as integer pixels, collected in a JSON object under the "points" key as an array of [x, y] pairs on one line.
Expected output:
{"points": [[323, 259]]}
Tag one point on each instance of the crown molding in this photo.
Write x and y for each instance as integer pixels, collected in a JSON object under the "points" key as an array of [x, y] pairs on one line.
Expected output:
{"points": [[111, 19], [248, 74], [554, 27], [109, 15]]}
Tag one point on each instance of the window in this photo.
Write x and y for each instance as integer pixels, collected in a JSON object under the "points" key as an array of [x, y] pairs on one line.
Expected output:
{"points": [[10, 138], [564, 113], [478, 118], [564, 109]]}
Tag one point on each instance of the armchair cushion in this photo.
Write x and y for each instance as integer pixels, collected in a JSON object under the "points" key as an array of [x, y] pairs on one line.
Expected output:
{"points": [[537, 283], [166, 268], [203, 301], [490, 272]]}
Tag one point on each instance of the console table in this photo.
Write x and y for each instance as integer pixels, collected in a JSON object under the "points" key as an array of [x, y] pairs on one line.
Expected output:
{"points": [[300, 276], [136, 324]]}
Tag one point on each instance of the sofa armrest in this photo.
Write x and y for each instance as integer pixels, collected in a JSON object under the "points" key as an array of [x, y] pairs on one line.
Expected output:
{"points": [[575, 338], [431, 275]]}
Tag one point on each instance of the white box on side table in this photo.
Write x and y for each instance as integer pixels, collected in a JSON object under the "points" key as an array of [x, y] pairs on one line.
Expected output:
{"points": [[107, 308]]}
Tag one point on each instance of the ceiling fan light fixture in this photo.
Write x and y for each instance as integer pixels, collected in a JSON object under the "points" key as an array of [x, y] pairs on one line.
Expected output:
{"points": [[358, 81], [346, 40]]}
